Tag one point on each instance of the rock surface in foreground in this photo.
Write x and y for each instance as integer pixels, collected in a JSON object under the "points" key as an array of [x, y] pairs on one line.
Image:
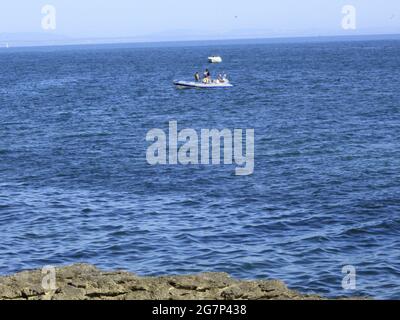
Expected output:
{"points": [[83, 282]]}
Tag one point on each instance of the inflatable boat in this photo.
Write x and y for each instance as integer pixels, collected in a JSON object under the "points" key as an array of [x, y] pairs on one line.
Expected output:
{"points": [[201, 85]]}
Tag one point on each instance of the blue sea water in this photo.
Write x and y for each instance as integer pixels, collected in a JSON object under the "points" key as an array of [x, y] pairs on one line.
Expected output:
{"points": [[75, 185]]}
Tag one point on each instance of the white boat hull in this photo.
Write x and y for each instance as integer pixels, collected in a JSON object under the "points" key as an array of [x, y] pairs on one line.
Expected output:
{"points": [[214, 59], [200, 85]]}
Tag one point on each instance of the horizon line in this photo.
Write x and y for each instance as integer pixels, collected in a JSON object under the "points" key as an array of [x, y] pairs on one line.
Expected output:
{"points": [[133, 41]]}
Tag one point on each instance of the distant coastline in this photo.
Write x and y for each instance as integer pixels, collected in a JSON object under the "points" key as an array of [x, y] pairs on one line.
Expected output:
{"points": [[62, 41]]}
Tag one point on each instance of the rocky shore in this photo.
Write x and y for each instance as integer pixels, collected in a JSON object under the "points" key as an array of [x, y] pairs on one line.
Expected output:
{"points": [[86, 282]]}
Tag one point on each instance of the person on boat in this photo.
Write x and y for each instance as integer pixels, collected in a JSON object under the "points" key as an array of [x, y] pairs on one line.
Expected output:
{"points": [[207, 76], [221, 78], [197, 77]]}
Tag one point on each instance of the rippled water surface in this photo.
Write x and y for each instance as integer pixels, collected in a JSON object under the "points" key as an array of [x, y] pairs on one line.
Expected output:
{"points": [[75, 185]]}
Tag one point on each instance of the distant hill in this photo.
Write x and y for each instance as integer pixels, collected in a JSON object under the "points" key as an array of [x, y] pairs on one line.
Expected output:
{"points": [[53, 39], [31, 39]]}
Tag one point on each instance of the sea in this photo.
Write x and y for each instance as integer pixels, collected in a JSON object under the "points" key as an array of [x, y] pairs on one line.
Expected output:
{"points": [[324, 198]]}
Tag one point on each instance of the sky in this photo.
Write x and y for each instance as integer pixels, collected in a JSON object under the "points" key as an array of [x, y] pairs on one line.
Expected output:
{"points": [[177, 19]]}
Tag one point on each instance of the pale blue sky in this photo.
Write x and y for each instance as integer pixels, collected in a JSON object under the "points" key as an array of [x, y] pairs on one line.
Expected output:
{"points": [[179, 18]]}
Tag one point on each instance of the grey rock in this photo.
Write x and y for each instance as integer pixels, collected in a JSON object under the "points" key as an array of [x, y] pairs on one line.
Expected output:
{"points": [[86, 282]]}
